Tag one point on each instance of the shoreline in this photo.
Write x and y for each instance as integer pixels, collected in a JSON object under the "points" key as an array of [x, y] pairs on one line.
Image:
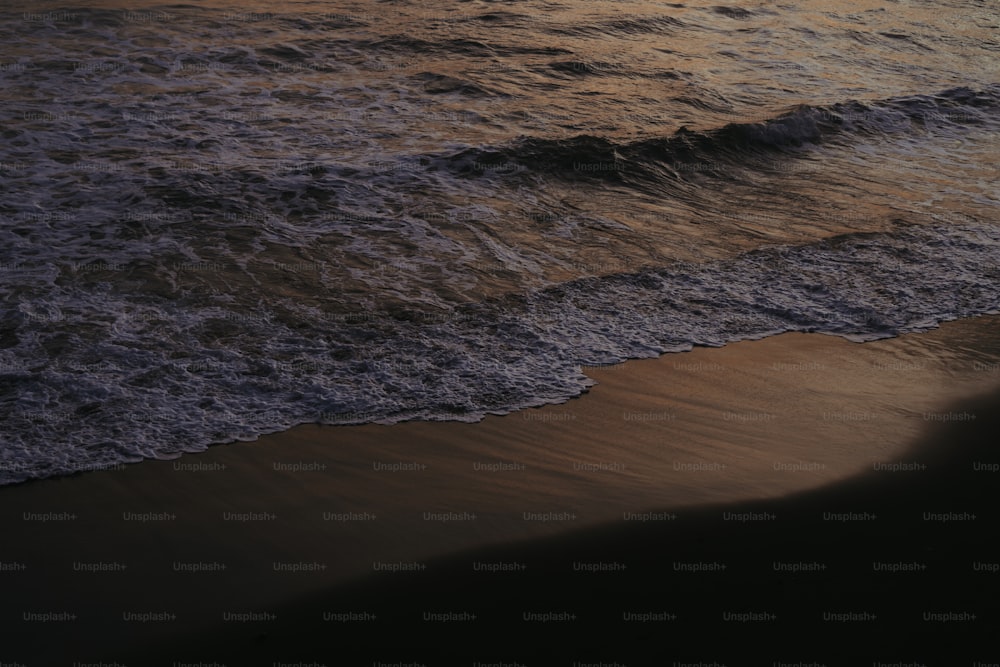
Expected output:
{"points": [[266, 525]]}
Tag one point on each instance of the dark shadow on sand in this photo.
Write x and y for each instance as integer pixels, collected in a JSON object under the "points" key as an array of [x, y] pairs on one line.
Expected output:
{"points": [[840, 576]]}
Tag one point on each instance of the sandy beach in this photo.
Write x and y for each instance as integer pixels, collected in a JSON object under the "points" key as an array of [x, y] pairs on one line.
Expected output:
{"points": [[257, 258], [799, 462]]}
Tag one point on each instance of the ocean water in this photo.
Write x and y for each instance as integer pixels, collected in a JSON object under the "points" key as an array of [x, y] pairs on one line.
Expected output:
{"points": [[219, 220]]}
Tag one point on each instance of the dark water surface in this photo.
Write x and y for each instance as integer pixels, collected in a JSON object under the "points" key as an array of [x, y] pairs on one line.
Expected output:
{"points": [[220, 220]]}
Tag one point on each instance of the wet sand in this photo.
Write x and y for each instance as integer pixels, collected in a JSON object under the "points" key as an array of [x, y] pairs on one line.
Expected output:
{"points": [[600, 498]]}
